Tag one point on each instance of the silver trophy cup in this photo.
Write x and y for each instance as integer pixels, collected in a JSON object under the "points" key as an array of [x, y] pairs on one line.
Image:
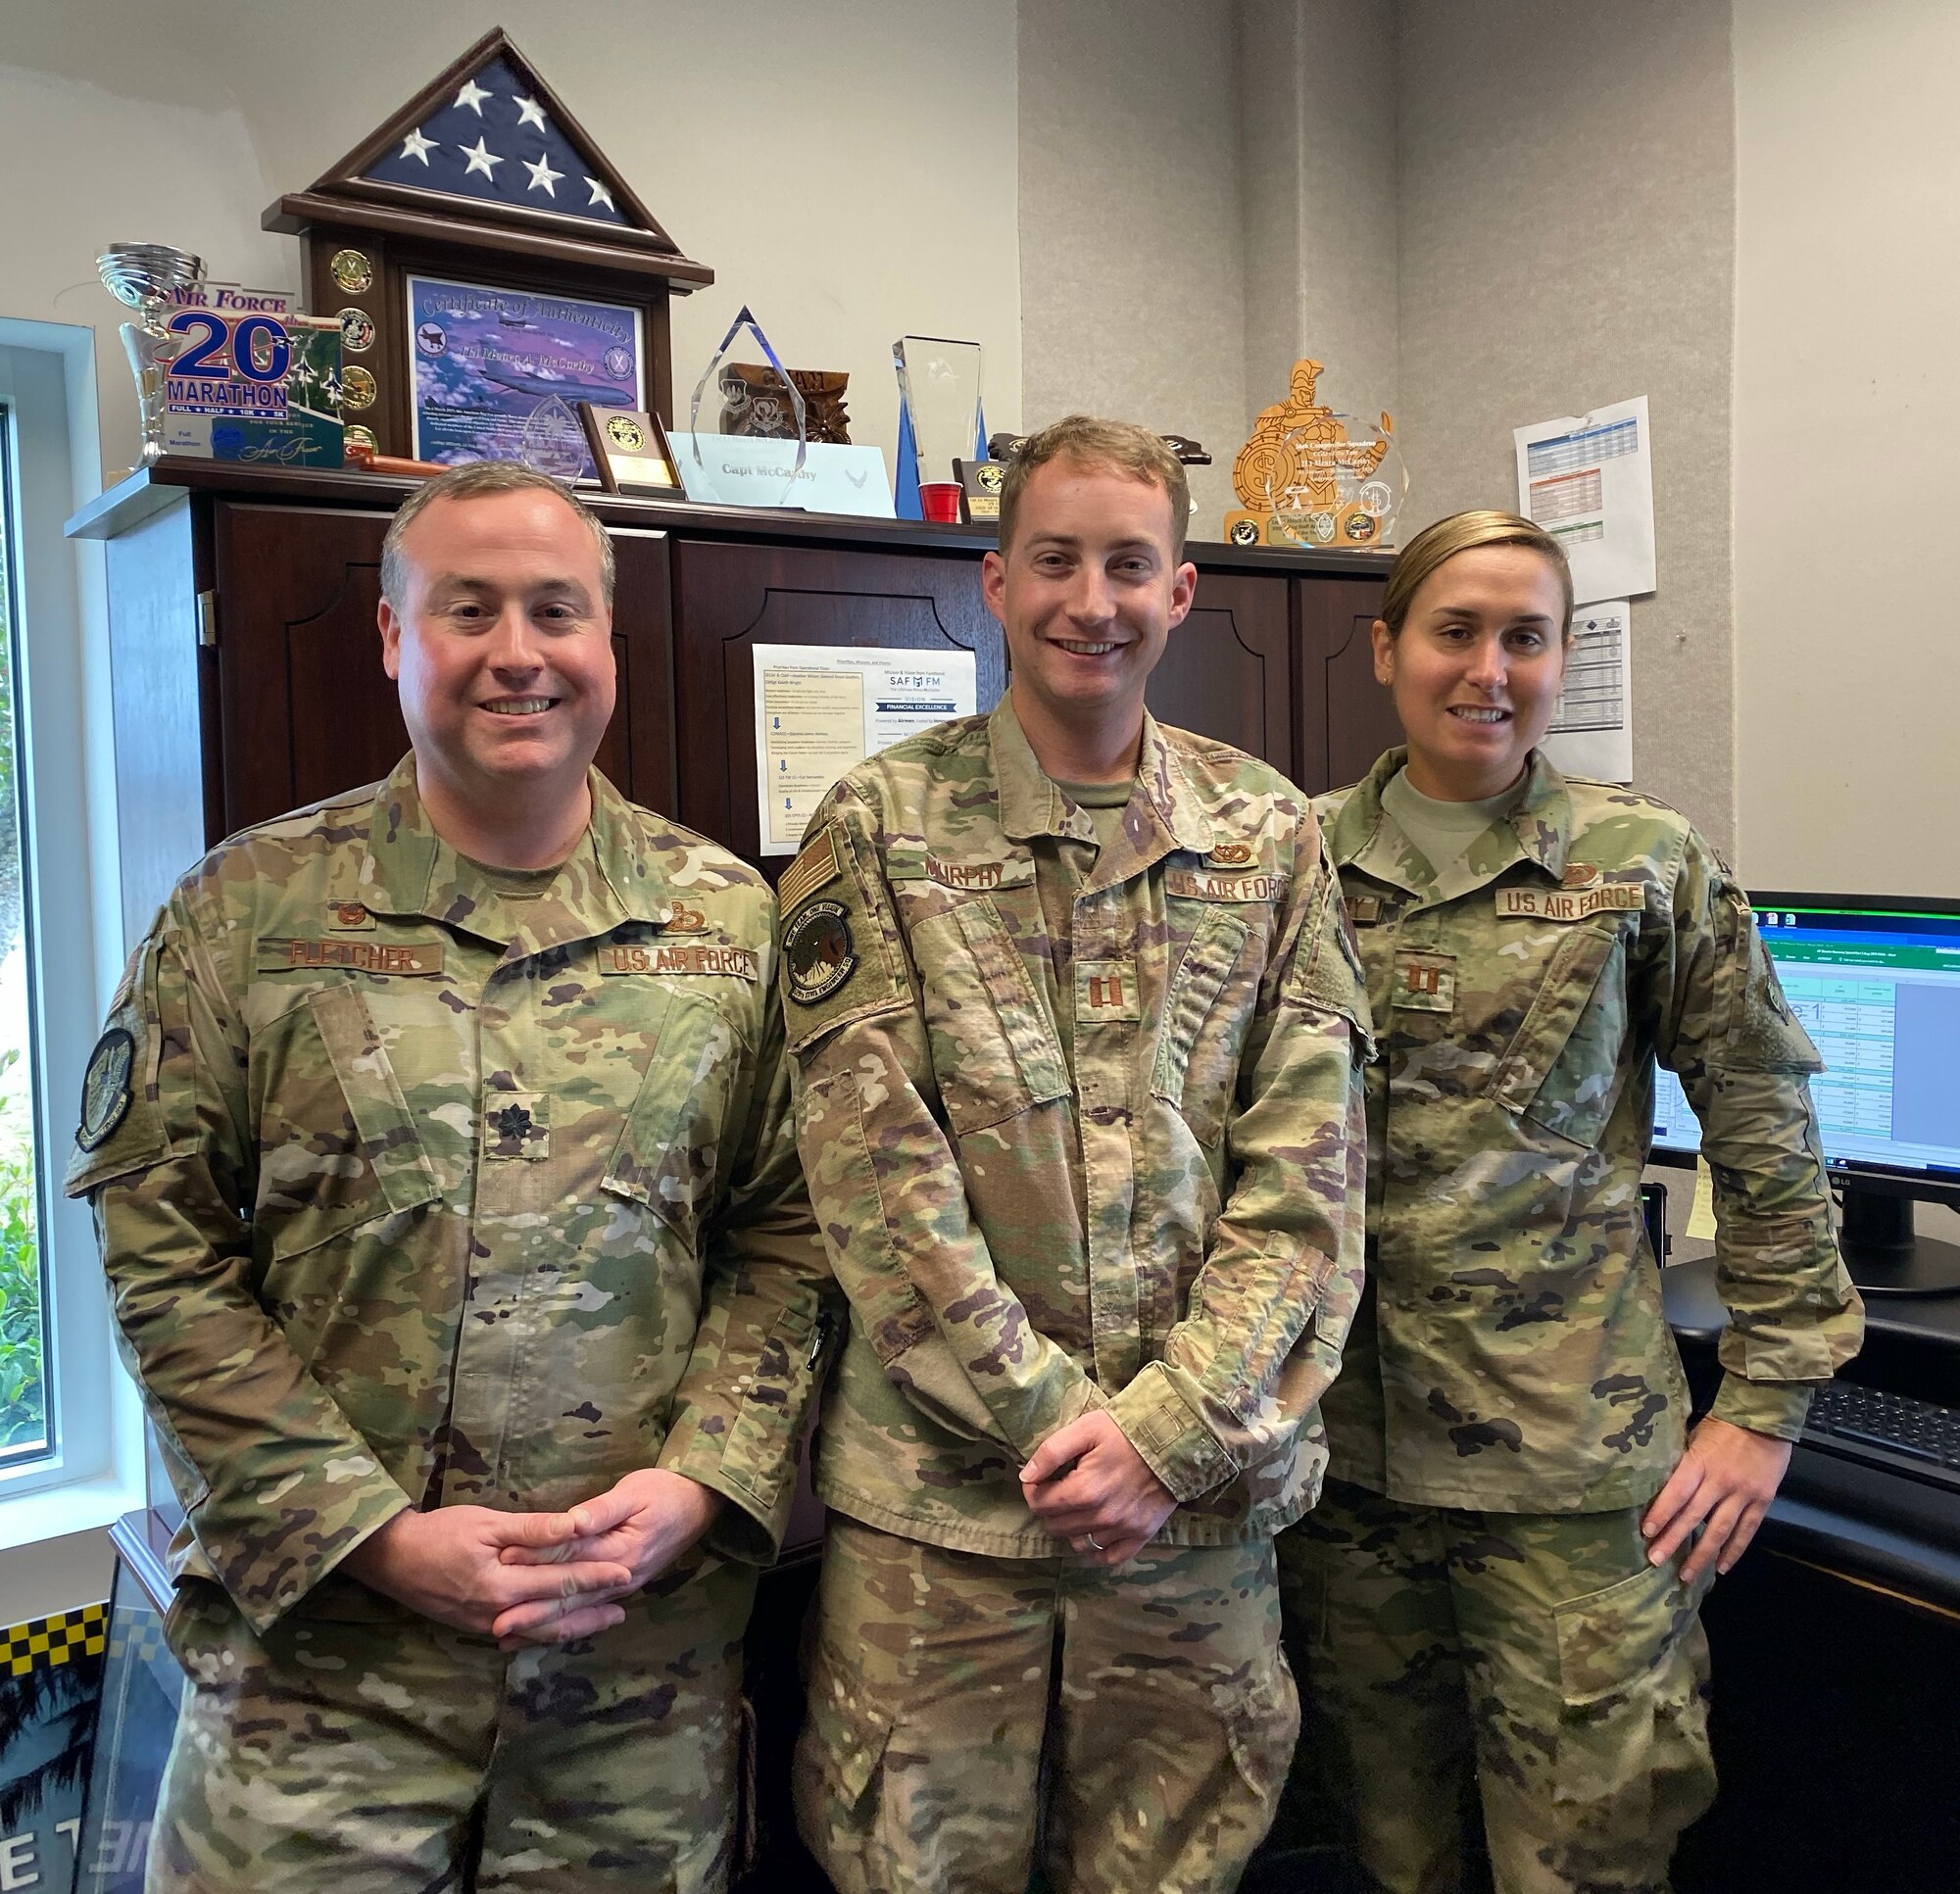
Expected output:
{"points": [[145, 277]]}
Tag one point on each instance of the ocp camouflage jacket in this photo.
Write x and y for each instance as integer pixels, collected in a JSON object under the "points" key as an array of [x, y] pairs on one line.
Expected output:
{"points": [[1512, 1353], [412, 1191], [1168, 1224]]}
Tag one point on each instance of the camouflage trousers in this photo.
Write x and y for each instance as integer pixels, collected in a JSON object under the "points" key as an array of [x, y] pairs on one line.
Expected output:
{"points": [[1535, 1666], [969, 1715], [353, 1756]]}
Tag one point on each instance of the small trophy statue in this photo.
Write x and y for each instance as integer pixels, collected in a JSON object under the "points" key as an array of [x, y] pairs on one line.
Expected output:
{"points": [[145, 277], [1313, 478]]}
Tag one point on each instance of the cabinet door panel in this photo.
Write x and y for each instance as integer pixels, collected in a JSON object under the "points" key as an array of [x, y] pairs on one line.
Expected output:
{"points": [[1346, 719], [731, 597], [306, 710], [1227, 671]]}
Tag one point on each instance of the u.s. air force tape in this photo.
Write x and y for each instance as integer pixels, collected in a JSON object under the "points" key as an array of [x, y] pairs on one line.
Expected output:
{"points": [[1556, 904]]}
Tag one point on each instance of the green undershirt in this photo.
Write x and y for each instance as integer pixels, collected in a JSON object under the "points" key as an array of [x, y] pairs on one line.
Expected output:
{"points": [[1440, 831]]}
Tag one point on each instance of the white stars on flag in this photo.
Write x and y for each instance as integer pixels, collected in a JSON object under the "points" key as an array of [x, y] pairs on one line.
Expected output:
{"points": [[481, 158], [493, 138]]}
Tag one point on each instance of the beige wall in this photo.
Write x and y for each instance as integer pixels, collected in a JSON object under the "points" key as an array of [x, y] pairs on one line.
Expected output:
{"points": [[1132, 260], [816, 158], [1317, 161], [1848, 415], [1567, 239]]}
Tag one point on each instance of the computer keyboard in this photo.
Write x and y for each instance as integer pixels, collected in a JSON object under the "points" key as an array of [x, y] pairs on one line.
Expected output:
{"points": [[1889, 1431]]}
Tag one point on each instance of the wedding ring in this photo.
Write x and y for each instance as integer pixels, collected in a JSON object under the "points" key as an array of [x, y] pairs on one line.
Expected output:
{"points": [[1094, 1544]]}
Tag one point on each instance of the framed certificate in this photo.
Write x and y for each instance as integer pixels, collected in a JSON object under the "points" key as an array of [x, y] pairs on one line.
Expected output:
{"points": [[486, 361]]}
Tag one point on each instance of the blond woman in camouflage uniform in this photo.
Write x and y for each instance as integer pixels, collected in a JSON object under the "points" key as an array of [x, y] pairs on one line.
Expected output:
{"points": [[1499, 1590]]}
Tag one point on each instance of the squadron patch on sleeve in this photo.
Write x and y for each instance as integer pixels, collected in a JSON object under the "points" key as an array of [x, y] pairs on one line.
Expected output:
{"points": [[818, 952], [105, 1088]]}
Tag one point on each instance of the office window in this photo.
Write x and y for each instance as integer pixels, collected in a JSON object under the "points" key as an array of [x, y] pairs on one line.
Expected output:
{"points": [[24, 1433], [71, 1428]]}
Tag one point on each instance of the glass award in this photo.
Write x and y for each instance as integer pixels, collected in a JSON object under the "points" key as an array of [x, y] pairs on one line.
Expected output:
{"points": [[940, 382], [745, 394], [146, 278], [1334, 481], [553, 441]]}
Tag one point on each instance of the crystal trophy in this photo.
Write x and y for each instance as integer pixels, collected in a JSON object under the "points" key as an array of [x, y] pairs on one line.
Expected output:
{"points": [[146, 278], [553, 441], [755, 400], [939, 383], [1337, 482]]}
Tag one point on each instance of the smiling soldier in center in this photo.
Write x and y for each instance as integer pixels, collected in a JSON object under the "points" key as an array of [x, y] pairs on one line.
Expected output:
{"points": [[1078, 1025]]}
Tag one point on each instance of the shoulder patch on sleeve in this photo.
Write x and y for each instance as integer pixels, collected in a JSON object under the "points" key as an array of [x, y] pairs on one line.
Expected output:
{"points": [[105, 1088], [1764, 1034], [838, 960], [820, 951], [119, 1128]]}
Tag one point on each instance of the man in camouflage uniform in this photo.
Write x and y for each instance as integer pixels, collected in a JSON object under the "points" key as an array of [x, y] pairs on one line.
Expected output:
{"points": [[440, 1150], [1477, 1578], [1077, 1025]]}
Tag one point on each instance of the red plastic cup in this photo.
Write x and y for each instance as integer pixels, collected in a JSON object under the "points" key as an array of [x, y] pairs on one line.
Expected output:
{"points": [[939, 502]]}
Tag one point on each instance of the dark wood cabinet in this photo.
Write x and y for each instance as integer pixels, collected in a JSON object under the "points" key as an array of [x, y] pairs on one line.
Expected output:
{"points": [[730, 596], [305, 709], [1345, 719], [1229, 670], [248, 678]]}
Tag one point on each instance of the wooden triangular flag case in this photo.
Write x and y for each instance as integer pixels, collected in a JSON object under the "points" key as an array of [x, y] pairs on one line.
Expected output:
{"points": [[486, 182]]}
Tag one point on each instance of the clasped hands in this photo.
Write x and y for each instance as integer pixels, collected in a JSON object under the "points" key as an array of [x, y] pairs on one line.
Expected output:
{"points": [[537, 1578], [1086, 1484]]}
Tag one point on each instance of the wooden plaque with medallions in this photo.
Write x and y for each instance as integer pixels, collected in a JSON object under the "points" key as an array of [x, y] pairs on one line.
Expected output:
{"points": [[629, 446], [484, 181]]}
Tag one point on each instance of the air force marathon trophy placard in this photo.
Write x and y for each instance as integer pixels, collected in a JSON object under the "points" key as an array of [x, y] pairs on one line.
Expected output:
{"points": [[146, 278]]}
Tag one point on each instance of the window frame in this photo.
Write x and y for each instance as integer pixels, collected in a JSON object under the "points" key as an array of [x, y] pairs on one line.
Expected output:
{"points": [[67, 767]]}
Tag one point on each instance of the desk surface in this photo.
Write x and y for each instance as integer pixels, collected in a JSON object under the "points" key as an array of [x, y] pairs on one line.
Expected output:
{"points": [[1871, 1526], [1695, 1310]]}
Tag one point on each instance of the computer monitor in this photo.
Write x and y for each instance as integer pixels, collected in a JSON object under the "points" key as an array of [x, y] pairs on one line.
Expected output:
{"points": [[1875, 981]]}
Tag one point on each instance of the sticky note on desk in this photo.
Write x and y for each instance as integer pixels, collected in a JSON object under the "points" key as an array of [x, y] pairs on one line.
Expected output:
{"points": [[1702, 1218]]}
